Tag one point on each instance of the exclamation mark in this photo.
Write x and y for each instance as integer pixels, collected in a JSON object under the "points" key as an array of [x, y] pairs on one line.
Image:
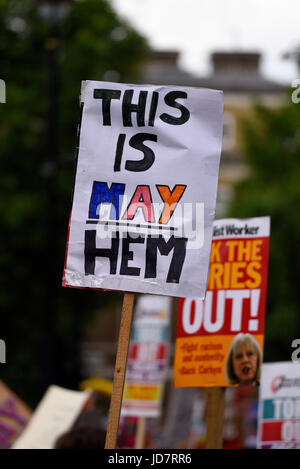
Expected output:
{"points": [[253, 323]]}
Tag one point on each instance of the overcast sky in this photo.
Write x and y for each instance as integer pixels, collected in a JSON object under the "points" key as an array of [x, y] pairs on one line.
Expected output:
{"points": [[198, 27]]}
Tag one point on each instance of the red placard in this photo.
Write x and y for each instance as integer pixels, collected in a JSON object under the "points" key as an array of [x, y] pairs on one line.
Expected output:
{"points": [[220, 340]]}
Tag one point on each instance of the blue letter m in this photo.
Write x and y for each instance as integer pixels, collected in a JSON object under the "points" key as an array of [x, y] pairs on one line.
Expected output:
{"points": [[102, 195]]}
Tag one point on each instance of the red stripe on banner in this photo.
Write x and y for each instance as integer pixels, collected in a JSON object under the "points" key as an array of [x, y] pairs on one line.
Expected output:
{"points": [[271, 431], [133, 352], [161, 352]]}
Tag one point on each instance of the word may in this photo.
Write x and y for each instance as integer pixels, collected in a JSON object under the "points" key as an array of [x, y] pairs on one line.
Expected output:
{"points": [[2, 351], [141, 199], [128, 107], [2, 92]]}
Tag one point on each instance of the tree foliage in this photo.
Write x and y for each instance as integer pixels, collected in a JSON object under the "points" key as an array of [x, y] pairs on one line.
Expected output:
{"points": [[94, 44], [272, 147]]}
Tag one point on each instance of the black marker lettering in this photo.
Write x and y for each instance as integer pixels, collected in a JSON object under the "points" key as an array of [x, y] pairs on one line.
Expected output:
{"points": [[91, 252], [153, 108], [137, 142], [128, 108], [165, 247], [119, 152], [107, 96], [127, 255], [170, 100]]}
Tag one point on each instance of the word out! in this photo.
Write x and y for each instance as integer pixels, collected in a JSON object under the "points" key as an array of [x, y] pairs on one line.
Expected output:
{"points": [[200, 315]]}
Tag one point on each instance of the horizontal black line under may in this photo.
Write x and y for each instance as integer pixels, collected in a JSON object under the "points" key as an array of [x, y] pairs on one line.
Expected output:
{"points": [[130, 225]]}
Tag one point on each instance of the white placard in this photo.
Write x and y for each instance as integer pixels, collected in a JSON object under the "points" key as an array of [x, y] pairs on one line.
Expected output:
{"points": [[279, 404], [145, 188], [148, 357], [55, 415]]}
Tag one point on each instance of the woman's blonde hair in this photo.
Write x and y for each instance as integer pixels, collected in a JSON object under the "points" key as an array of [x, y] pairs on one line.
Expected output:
{"points": [[242, 339]]}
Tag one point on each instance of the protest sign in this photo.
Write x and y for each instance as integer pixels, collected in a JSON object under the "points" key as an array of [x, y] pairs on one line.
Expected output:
{"points": [[55, 414], [279, 406], [148, 357], [145, 189], [14, 416], [220, 340]]}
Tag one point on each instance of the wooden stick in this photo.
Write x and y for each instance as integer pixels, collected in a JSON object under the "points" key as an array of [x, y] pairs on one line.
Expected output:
{"points": [[120, 370], [214, 418], [140, 433]]}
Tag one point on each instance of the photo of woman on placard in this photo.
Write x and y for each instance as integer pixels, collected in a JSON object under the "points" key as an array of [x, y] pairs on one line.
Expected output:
{"points": [[243, 363]]}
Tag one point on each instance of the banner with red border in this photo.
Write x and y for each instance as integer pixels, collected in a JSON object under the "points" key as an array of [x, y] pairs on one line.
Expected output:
{"points": [[220, 340]]}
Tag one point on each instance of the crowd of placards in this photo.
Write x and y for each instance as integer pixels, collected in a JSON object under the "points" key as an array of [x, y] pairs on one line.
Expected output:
{"points": [[142, 221]]}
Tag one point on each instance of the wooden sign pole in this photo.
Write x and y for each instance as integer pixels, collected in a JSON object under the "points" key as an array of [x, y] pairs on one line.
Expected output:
{"points": [[120, 370], [214, 418], [140, 433]]}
